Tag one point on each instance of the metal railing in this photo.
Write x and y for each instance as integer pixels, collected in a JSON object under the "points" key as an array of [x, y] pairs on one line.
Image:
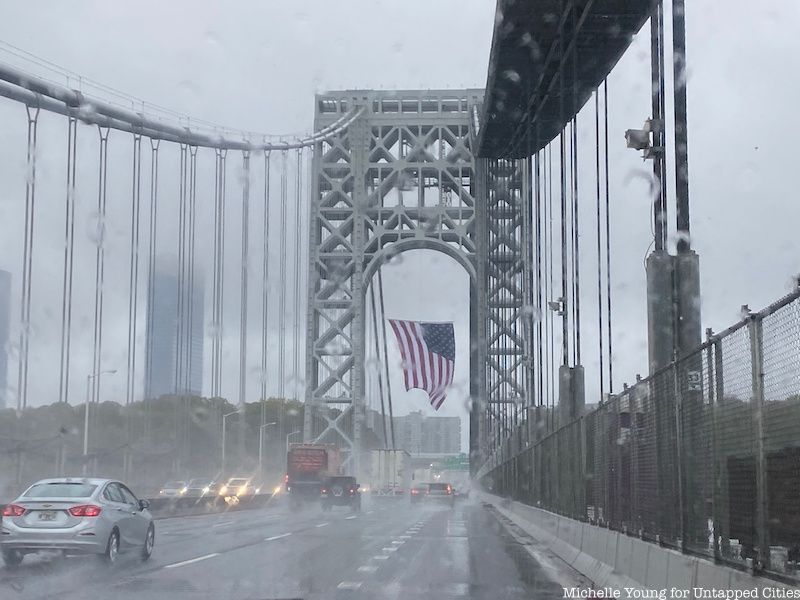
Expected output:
{"points": [[702, 456]]}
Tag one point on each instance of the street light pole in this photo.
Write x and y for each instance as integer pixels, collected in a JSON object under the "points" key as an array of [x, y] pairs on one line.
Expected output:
{"points": [[287, 439], [261, 444], [89, 378], [224, 418]]}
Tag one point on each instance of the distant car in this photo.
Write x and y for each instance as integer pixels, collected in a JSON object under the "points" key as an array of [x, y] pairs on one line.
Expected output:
{"points": [[340, 491], [237, 488], [172, 489], [440, 492], [76, 516], [417, 492], [201, 487]]}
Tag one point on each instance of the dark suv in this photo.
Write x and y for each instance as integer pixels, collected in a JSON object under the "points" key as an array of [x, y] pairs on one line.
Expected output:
{"points": [[340, 491]]}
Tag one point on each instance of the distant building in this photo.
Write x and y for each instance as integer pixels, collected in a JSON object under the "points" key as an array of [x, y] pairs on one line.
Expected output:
{"points": [[419, 434], [162, 375], [5, 331]]}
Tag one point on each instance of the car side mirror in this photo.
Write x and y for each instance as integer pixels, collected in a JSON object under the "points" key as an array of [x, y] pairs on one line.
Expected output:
{"points": [[143, 504]]}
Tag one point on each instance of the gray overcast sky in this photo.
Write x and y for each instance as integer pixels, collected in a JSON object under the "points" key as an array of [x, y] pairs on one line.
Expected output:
{"points": [[255, 65]]}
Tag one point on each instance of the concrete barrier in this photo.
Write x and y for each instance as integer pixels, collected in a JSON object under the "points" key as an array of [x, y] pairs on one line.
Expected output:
{"points": [[613, 559]]}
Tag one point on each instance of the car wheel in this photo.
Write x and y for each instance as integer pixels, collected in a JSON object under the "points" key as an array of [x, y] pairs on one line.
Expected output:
{"points": [[12, 558], [111, 554], [149, 542]]}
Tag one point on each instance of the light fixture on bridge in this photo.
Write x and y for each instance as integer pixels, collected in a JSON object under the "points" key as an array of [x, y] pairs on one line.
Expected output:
{"points": [[557, 306], [639, 139]]}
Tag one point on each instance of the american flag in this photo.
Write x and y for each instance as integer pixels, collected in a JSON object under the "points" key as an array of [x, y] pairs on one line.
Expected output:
{"points": [[429, 354]]}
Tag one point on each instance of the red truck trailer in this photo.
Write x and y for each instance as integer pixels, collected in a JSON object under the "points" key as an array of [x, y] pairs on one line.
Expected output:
{"points": [[307, 466]]}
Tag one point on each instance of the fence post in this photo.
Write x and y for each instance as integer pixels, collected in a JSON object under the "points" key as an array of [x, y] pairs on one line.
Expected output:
{"points": [[757, 364], [681, 456], [719, 493]]}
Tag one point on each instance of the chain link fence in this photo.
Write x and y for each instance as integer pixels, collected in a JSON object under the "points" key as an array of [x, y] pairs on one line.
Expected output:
{"points": [[702, 456]]}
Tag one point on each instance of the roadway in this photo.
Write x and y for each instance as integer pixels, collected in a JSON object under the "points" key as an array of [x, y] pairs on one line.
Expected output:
{"points": [[389, 550]]}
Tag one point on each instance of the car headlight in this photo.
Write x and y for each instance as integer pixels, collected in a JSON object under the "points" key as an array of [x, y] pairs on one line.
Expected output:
{"points": [[258, 490], [183, 490], [277, 489], [242, 490], [206, 489], [161, 492], [223, 489]]}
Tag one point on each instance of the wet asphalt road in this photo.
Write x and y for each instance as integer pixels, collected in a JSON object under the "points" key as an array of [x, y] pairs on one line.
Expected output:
{"points": [[389, 550]]}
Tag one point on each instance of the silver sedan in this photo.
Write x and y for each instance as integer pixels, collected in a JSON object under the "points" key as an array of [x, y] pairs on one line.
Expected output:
{"points": [[76, 516]]}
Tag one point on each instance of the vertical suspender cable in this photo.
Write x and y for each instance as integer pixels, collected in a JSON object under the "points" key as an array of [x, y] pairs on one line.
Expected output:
{"points": [[282, 294], [151, 271], [564, 254], [378, 357], [180, 422], [178, 378], [243, 301], [265, 289], [27, 260], [599, 236], [297, 297], [190, 303], [608, 246], [386, 357], [215, 276], [69, 246], [539, 299], [99, 263], [133, 275], [576, 255], [243, 279]]}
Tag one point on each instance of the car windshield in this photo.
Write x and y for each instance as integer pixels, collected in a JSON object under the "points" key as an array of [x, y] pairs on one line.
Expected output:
{"points": [[483, 299], [200, 483], [61, 490]]}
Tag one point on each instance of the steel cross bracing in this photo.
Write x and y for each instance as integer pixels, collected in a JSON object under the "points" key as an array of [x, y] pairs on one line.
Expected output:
{"points": [[400, 177], [509, 309]]}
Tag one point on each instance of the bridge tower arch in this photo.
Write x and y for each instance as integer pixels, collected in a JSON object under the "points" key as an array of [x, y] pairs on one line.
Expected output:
{"points": [[402, 176]]}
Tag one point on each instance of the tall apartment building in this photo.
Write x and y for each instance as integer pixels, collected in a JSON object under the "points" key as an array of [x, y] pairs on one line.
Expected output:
{"points": [[163, 374]]}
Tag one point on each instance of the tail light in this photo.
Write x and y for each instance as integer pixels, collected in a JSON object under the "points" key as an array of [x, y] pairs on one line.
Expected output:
{"points": [[13, 510], [85, 510], [415, 492], [449, 490], [286, 478], [323, 491]]}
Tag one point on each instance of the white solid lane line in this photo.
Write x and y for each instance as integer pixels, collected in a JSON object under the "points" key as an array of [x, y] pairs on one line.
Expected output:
{"points": [[193, 560], [322, 525], [277, 537]]}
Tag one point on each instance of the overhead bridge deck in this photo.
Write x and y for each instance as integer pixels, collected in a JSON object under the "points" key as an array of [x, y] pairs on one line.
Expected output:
{"points": [[547, 57]]}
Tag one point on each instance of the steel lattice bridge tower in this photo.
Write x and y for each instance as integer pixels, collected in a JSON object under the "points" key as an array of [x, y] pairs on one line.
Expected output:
{"points": [[401, 176]]}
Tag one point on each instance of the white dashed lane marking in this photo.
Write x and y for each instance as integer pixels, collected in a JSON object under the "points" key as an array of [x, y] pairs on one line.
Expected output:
{"points": [[322, 524], [277, 537], [193, 560], [368, 569], [380, 557], [349, 585], [350, 517]]}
